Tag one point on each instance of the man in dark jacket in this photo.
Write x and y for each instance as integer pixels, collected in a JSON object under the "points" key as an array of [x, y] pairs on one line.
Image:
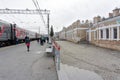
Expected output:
{"points": [[27, 42]]}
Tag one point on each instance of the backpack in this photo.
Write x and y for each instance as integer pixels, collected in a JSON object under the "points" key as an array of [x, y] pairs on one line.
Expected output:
{"points": [[27, 40]]}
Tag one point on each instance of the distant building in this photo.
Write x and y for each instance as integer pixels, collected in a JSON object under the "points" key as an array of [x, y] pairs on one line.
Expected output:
{"points": [[56, 35], [103, 32], [76, 32], [62, 34], [106, 32]]}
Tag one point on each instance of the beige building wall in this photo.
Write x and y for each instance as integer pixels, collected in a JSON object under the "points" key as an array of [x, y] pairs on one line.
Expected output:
{"points": [[102, 33], [110, 26], [76, 32]]}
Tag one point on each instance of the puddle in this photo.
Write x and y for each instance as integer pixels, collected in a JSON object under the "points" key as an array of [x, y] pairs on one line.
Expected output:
{"points": [[113, 53], [88, 75], [73, 73], [39, 52]]}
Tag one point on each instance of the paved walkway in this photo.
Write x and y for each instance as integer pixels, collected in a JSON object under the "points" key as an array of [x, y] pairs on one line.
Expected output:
{"points": [[104, 62], [18, 64], [73, 73]]}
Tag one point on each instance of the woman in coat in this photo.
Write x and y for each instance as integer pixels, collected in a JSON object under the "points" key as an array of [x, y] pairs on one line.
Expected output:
{"points": [[27, 42]]}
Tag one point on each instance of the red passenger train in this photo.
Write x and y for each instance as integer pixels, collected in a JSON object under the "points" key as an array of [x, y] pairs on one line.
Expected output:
{"points": [[9, 33]]}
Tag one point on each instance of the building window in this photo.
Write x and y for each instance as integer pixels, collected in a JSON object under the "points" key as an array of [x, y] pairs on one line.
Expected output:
{"points": [[115, 33], [101, 33], [107, 33]]}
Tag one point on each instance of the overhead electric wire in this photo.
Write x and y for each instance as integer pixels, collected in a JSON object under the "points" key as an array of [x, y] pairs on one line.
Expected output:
{"points": [[15, 19], [4, 14], [40, 11], [12, 16], [38, 8]]}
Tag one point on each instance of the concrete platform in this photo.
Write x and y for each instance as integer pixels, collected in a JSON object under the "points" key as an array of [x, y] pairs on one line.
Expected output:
{"points": [[72, 73], [18, 64]]}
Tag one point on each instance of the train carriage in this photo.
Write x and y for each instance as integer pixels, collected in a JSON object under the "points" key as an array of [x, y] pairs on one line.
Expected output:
{"points": [[5, 33], [9, 33]]}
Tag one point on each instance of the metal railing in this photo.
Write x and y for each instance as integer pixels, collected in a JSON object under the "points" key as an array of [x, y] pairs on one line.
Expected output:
{"points": [[56, 51]]}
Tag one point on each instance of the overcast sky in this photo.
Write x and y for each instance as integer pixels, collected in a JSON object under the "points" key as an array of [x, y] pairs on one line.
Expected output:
{"points": [[62, 12]]}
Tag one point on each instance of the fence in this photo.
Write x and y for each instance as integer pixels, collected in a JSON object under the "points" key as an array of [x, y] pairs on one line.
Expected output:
{"points": [[56, 51]]}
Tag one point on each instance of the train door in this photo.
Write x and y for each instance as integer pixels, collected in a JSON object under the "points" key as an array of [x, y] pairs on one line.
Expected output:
{"points": [[13, 26]]}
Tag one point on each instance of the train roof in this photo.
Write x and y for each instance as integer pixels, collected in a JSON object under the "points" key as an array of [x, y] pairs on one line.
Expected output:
{"points": [[7, 23], [2, 21]]}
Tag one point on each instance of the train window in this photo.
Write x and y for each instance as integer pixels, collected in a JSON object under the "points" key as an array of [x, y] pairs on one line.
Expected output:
{"points": [[0, 29], [1, 24]]}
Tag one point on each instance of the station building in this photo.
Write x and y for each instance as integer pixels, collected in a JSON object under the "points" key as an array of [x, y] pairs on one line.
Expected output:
{"points": [[76, 32], [105, 32]]}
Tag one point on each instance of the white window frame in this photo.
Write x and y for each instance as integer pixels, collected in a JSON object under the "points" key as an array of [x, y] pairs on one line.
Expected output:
{"points": [[109, 33], [118, 33], [99, 34], [94, 35], [90, 35], [104, 34]]}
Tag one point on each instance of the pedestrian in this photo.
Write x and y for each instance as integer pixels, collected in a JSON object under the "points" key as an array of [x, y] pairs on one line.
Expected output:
{"points": [[27, 42], [17, 41], [38, 40], [41, 40], [47, 39]]}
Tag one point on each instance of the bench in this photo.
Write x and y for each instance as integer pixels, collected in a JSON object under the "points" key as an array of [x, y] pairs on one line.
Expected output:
{"points": [[49, 50]]}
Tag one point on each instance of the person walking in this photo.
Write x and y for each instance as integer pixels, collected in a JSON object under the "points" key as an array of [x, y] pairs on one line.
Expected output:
{"points": [[27, 42], [38, 40], [42, 40], [47, 39]]}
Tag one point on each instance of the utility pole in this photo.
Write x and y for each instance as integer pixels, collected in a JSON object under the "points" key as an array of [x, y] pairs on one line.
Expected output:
{"points": [[48, 24], [39, 30]]}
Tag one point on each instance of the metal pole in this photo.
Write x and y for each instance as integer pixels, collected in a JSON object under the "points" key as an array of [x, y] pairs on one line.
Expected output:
{"points": [[48, 27], [48, 23], [39, 29]]}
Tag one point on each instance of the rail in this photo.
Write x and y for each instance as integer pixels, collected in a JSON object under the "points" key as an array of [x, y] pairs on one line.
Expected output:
{"points": [[56, 51]]}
